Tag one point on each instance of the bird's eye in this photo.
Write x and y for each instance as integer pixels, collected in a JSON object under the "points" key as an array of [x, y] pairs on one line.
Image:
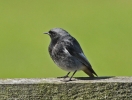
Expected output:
{"points": [[52, 33]]}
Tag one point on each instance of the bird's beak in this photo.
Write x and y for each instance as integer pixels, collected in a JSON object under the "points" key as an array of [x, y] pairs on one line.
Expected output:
{"points": [[46, 33]]}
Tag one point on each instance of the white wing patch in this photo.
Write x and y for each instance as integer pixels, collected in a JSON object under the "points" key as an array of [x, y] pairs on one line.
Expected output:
{"points": [[65, 50]]}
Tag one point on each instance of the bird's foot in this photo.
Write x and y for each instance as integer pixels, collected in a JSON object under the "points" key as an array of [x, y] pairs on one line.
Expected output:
{"points": [[65, 76], [67, 80]]}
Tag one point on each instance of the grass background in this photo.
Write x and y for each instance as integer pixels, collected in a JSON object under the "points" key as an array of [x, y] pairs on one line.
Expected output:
{"points": [[103, 28]]}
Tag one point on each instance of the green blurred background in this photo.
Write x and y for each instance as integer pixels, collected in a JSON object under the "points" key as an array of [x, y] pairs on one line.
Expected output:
{"points": [[103, 28]]}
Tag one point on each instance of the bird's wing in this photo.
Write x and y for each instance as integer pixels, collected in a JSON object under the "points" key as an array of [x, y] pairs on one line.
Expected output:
{"points": [[73, 47]]}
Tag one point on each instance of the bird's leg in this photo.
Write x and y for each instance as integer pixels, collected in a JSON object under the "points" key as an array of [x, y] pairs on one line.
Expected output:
{"points": [[72, 75], [64, 76]]}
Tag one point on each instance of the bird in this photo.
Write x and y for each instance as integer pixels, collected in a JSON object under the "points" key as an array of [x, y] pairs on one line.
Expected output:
{"points": [[67, 53]]}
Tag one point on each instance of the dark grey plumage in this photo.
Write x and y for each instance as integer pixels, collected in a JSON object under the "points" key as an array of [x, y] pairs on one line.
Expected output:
{"points": [[66, 52]]}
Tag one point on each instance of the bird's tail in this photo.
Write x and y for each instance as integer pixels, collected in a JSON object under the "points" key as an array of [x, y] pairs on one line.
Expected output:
{"points": [[90, 72]]}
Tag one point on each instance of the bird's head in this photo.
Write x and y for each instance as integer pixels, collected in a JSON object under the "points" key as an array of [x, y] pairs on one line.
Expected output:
{"points": [[57, 33]]}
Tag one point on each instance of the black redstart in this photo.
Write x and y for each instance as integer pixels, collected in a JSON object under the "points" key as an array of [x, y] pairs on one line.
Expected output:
{"points": [[66, 52]]}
